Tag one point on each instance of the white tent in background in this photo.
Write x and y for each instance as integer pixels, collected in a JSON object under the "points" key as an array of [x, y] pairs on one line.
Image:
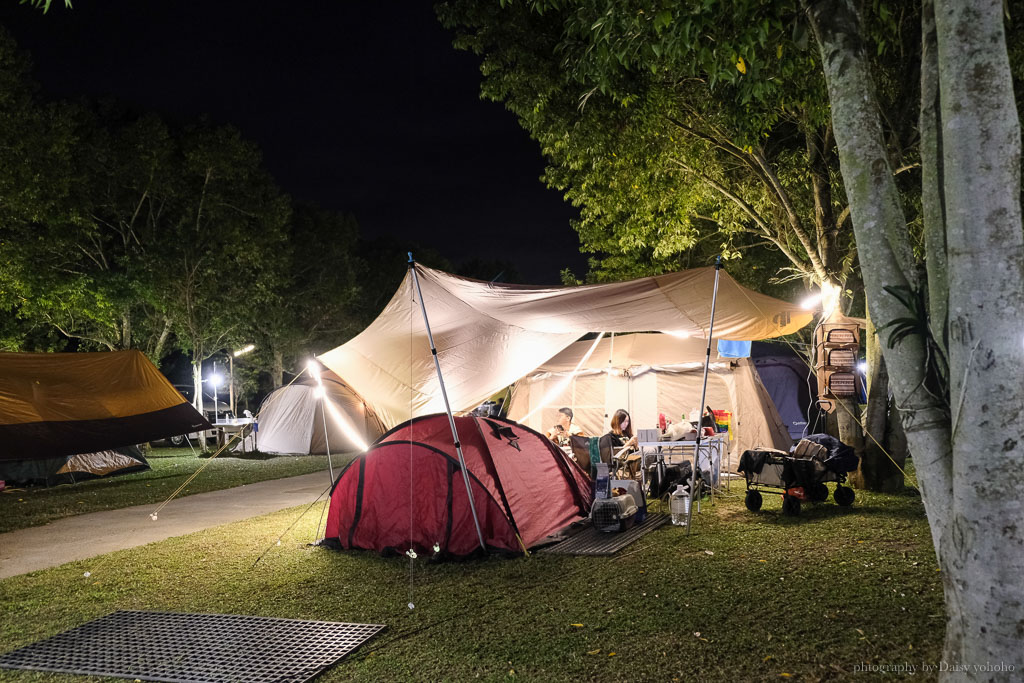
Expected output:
{"points": [[647, 374], [489, 335], [291, 419]]}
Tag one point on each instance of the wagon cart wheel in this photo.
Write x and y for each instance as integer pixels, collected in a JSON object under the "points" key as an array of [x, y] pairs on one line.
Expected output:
{"points": [[178, 440], [753, 501], [843, 495], [818, 492], [790, 506]]}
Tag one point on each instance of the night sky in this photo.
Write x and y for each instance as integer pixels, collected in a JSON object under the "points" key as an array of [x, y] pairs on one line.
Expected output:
{"points": [[360, 107]]}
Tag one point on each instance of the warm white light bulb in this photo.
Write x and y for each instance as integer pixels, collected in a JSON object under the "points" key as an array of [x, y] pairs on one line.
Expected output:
{"points": [[313, 368], [244, 350], [811, 302]]}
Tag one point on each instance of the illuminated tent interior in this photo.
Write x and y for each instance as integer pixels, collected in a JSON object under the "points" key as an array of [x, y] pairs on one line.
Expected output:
{"points": [[489, 335], [648, 374], [292, 418]]}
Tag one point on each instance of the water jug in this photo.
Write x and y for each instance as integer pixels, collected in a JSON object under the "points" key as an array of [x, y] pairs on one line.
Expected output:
{"points": [[679, 504]]}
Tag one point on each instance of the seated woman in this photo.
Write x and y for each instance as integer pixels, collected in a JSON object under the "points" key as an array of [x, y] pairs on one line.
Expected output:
{"points": [[621, 435]]}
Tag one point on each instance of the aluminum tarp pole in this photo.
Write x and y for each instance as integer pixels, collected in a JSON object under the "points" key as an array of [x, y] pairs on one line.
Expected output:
{"points": [[703, 394], [447, 407], [313, 370], [327, 443]]}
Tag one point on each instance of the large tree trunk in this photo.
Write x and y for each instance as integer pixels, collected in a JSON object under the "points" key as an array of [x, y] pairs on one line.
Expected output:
{"points": [[277, 371], [969, 467], [197, 385], [884, 252], [881, 462], [158, 347], [980, 144], [126, 330]]}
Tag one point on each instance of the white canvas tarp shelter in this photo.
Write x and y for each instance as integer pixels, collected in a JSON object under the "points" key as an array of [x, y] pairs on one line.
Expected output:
{"points": [[648, 374], [291, 419], [488, 335]]}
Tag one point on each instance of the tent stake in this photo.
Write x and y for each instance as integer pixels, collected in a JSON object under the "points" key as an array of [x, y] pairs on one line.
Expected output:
{"points": [[447, 407], [695, 477]]}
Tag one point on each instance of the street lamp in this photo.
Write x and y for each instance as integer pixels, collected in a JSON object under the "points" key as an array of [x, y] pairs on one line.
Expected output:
{"points": [[215, 381], [231, 372]]}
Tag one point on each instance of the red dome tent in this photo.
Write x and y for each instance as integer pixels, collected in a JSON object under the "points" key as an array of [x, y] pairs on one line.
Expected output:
{"points": [[407, 490]]}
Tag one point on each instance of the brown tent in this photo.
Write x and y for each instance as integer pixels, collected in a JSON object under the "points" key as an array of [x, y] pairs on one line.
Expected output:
{"points": [[58, 404]]}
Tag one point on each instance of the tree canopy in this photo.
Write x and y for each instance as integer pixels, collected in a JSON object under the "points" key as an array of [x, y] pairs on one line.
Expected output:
{"points": [[121, 231], [686, 131]]}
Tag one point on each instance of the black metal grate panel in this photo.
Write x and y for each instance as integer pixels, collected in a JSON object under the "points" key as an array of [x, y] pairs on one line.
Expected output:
{"points": [[590, 541], [194, 648]]}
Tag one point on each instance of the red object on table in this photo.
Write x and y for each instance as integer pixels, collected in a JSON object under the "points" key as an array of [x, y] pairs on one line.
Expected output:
{"points": [[708, 431], [661, 422]]}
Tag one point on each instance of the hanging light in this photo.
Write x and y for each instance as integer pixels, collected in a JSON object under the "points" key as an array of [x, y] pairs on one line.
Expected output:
{"points": [[313, 368], [244, 350], [346, 427], [811, 302]]}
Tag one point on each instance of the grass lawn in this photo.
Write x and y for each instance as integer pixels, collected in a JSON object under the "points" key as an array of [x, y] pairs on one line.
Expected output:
{"points": [[746, 597], [20, 508]]}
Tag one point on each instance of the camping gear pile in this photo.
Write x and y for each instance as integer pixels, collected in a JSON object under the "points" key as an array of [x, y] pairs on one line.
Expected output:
{"points": [[801, 474]]}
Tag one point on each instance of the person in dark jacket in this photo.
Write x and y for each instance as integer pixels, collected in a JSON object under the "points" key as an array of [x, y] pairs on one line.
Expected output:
{"points": [[621, 435]]}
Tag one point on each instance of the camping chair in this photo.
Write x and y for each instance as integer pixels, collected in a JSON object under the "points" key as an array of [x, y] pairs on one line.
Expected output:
{"points": [[581, 451], [618, 461]]}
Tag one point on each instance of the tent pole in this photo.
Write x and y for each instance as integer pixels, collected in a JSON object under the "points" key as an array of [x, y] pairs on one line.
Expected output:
{"points": [[314, 372], [703, 394], [447, 407], [327, 443]]}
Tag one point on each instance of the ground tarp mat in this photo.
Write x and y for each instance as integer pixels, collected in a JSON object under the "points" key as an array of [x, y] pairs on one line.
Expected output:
{"points": [[199, 648], [590, 541]]}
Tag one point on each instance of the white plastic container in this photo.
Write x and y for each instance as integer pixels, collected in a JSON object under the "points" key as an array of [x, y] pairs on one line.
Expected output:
{"points": [[679, 504]]}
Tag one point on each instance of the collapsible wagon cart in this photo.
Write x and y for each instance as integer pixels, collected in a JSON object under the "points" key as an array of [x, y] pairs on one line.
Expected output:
{"points": [[798, 476]]}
